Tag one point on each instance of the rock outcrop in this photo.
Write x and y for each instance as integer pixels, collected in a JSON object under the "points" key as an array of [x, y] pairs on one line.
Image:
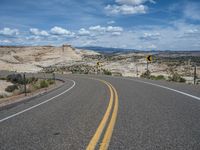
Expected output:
{"points": [[33, 58]]}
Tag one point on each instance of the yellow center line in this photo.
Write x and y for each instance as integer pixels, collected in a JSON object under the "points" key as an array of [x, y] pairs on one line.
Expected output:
{"points": [[109, 131], [95, 138]]}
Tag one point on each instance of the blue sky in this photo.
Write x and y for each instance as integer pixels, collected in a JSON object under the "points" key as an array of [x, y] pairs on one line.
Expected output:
{"points": [[137, 24]]}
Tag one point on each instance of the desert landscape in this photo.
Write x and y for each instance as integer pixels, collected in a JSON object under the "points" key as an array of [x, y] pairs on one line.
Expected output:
{"points": [[67, 59]]}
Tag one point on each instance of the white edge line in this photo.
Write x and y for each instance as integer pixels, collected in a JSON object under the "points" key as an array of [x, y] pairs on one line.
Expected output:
{"points": [[164, 87], [32, 107]]}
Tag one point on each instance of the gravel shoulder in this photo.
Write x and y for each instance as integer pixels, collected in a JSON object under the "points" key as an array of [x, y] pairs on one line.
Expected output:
{"points": [[20, 98]]}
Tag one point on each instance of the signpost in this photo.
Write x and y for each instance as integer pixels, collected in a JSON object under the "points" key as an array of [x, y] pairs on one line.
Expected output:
{"points": [[195, 73], [25, 84], [149, 58], [98, 64], [136, 69], [54, 77]]}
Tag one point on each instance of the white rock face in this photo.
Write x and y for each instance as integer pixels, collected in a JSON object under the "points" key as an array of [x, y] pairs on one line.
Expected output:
{"points": [[29, 59]]}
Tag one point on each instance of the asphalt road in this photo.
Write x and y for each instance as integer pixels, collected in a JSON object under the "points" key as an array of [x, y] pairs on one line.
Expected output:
{"points": [[143, 115]]}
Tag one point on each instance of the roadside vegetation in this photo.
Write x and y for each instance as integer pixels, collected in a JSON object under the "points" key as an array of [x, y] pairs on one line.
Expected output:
{"points": [[175, 77], [78, 69], [18, 82], [178, 60], [107, 72]]}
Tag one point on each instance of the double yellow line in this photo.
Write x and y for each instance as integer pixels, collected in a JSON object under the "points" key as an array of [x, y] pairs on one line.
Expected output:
{"points": [[106, 121]]}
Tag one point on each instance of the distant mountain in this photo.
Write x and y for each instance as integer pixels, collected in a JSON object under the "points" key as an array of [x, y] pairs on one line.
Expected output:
{"points": [[108, 50]]}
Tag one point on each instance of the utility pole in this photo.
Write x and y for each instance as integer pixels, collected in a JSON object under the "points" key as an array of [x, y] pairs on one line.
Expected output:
{"points": [[25, 84], [195, 73], [54, 78], [44, 75], [97, 65], [136, 69]]}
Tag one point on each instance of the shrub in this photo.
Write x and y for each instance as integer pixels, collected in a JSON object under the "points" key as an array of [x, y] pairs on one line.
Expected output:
{"points": [[160, 77], [2, 78], [176, 78], [106, 72], [36, 85], [11, 88], [182, 80], [50, 81], [31, 80], [146, 74], [152, 77], [15, 78], [43, 84]]}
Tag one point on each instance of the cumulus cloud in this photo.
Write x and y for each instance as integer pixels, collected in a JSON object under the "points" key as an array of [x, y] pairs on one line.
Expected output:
{"points": [[133, 2], [36, 31], [9, 32], [192, 11], [114, 29], [189, 10], [111, 22], [83, 32], [60, 31], [5, 41], [34, 37], [190, 33], [152, 46], [150, 36], [116, 33], [128, 7], [99, 28], [179, 35]]}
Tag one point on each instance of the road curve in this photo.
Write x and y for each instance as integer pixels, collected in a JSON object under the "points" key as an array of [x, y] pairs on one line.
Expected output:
{"points": [[141, 114]]}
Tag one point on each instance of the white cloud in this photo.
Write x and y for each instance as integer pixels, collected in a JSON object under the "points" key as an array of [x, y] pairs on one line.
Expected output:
{"points": [[152, 46], [116, 33], [35, 38], [114, 29], [9, 32], [153, 37], [111, 22], [133, 2], [150, 36], [83, 32], [192, 11], [179, 35], [97, 28], [60, 31], [192, 31], [126, 9], [36, 31], [5, 41]]}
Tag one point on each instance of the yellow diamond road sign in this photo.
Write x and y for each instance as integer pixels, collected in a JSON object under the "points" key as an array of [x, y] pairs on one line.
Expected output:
{"points": [[98, 63], [149, 58]]}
